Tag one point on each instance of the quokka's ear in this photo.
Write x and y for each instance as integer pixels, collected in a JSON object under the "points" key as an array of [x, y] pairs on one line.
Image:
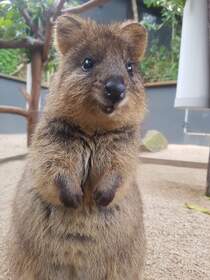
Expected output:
{"points": [[136, 35], [67, 31]]}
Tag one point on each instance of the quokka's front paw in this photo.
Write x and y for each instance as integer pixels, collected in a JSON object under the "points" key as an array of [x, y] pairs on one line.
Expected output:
{"points": [[70, 193], [106, 188]]}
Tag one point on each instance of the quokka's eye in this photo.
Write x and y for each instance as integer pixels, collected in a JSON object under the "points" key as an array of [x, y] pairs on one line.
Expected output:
{"points": [[87, 64], [129, 67]]}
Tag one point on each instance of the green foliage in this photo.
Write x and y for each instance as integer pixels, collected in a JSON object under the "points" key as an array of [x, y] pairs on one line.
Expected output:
{"points": [[11, 23], [13, 26], [171, 11], [161, 63], [175, 6], [10, 60], [197, 208]]}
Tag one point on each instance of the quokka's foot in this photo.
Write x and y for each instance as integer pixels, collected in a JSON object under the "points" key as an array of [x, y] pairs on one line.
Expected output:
{"points": [[70, 193], [106, 189]]}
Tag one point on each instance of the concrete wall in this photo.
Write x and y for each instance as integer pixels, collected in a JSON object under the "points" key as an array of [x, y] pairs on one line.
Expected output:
{"points": [[114, 10], [161, 113], [10, 95], [164, 117]]}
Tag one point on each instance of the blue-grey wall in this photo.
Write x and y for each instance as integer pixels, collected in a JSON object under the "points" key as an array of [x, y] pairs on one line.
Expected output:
{"points": [[164, 117], [114, 10], [10, 95], [161, 113]]}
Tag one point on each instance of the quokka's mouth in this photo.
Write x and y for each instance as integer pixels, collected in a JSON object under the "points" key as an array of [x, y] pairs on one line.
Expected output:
{"points": [[108, 109]]}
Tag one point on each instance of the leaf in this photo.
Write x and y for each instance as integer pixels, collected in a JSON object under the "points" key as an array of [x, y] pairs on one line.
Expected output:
{"points": [[10, 60], [5, 2], [197, 208]]}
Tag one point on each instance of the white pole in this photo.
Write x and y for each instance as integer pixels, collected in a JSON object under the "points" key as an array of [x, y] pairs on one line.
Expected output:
{"points": [[193, 89], [28, 81]]}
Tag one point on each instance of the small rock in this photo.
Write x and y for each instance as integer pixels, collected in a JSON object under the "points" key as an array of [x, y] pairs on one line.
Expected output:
{"points": [[154, 141]]}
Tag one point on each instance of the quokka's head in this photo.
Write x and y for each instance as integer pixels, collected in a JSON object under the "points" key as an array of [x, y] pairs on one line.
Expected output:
{"points": [[98, 74]]}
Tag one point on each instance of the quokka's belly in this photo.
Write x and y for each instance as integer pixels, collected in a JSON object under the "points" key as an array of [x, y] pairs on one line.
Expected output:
{"points": [[104, 248], [101, 234]]}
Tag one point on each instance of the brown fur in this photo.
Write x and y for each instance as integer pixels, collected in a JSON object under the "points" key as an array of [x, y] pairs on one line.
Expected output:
{"points": [[77, 213]]}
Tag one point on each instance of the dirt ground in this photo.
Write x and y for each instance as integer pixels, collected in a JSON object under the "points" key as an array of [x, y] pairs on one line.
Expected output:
{"points": [[178, 239]]}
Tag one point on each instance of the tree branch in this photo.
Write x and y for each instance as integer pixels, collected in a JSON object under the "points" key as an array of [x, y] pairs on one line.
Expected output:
{"points": [[21, 44], [14, 110], [49, 27], [84, 7], [27, 18], [58, 9], [28, 21], [135, 10]]}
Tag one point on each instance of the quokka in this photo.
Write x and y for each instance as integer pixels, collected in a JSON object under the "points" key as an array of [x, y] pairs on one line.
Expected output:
{"points": [[77, 212]]}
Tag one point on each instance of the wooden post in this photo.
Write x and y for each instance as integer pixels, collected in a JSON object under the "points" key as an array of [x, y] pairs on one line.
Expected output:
{"points": [[135, 10], [208, 171], [208, 178], [33, 111]]}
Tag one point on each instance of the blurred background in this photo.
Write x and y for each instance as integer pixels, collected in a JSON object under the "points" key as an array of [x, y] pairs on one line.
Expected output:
{"points": [[174, 170], [163, 20]]}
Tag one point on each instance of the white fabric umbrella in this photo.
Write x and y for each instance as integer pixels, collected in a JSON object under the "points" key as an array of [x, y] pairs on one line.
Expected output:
{"points": [[193, 91]]}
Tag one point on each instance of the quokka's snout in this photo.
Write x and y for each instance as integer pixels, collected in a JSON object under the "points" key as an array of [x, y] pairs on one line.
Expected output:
{"points": [[112, 89], [114, 92]]}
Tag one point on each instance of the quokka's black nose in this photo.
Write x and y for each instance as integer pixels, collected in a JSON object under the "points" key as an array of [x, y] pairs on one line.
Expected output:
{"points": [[115, 89]]}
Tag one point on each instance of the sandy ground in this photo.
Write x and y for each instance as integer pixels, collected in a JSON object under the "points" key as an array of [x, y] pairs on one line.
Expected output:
{"points": [[178, 245]]}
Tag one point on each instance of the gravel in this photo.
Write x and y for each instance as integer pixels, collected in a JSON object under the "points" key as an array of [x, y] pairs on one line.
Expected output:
{"points": [[178, 239]]}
